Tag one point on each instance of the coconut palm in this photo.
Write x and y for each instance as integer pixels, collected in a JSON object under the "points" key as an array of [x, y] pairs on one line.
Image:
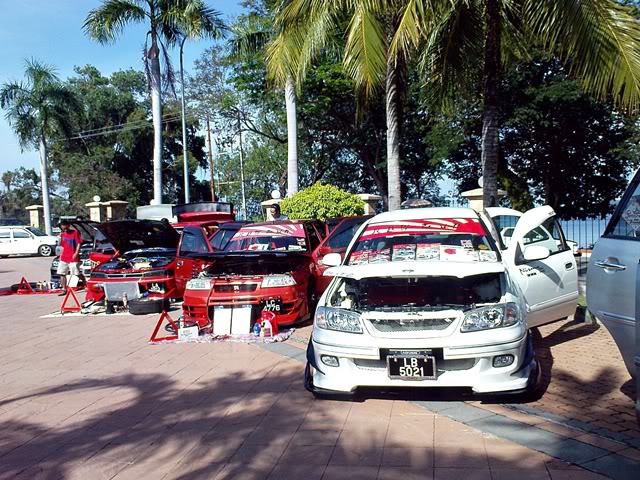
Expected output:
{"points": [[375, 53], [598, 40], [38, 109], [250, 36], [168, 21]]}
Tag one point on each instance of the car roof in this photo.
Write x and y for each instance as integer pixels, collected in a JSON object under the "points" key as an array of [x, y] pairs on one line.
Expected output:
{"points": [[15, 226], [424, 213], [284, 222]]}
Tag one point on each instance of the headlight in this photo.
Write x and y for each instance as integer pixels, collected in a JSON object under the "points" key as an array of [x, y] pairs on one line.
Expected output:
{"points": [[198, 284], [338, 319], [278, 281], [486, 318]]}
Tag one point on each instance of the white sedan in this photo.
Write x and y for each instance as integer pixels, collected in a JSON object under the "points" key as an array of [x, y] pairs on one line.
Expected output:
{"points": [[431, 298], [17, 240]]}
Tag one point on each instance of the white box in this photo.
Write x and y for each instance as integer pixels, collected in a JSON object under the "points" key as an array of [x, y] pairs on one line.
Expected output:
{"points": [[241, 321], [222, 321], [188, 333]]}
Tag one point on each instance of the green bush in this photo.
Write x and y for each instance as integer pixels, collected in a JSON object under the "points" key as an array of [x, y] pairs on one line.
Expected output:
{"points": [[321, 202]]}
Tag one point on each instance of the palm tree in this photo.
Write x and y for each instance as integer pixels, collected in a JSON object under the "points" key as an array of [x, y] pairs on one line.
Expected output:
{"points": [[599, 41], [375, 53], [253, 35], [169, 21], [38, 109]]}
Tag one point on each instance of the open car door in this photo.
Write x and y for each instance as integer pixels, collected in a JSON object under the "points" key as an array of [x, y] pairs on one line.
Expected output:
{"points": [[543, 265], [192, 241]]}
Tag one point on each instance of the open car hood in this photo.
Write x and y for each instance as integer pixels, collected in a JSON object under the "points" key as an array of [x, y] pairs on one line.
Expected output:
{"points": [[415, 269], [127, 235], [254, 263]]}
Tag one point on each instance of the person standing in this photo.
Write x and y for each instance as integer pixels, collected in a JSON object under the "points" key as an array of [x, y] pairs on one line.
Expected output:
{"points": [[275, 213], [70, 241]]}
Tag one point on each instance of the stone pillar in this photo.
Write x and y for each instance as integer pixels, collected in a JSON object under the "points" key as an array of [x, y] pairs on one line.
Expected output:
{"points": [[36, 215], [475, 198], [97, 211], [115, 209], [370, 202]]}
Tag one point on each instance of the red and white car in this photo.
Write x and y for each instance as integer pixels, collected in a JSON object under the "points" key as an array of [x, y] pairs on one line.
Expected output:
{"points": [[275, 266]]}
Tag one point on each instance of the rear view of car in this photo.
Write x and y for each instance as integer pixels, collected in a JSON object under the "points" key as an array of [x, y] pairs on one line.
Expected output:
{"points": [[613, 280]]}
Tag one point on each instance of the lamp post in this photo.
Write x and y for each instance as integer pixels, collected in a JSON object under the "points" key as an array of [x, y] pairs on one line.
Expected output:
{"points": [[184, 127]]}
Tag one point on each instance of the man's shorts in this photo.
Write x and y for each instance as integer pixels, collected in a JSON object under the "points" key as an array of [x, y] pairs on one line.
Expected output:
{"points": [[65, 268]]}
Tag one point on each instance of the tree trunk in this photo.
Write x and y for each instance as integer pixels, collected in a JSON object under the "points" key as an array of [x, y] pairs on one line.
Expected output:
{"points": [[369, 161], [490, 117], [393, 99], [156, 110], [212, 182], [44, 178], [292, 137]]}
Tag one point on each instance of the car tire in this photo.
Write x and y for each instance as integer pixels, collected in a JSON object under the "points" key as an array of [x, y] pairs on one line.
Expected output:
{"points": [[145, 306], [45, 250]]}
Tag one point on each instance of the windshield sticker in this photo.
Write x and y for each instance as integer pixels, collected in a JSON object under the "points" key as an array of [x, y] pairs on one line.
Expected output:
{"points": [[631, 214], [488, 256], [292, 230], [404, 252], [428, 251], [423, 227], [258, 247], [454, 253], [467, 244], [359, 258], [381, 256]]}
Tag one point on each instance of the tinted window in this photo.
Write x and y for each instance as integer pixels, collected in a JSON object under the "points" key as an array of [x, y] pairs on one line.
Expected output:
{"points": [[20, 234], [344, 233], [5, 234], [626, 222], [193, 242], [221, 238], [37, 232]]}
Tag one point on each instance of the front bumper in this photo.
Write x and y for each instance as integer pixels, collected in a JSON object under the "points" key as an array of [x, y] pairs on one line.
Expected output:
{"points": [[472, 367], [162, 286]]}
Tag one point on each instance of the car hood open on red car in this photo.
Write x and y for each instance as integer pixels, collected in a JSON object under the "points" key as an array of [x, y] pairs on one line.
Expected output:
{"points": [[126, 235], [253, 263]]}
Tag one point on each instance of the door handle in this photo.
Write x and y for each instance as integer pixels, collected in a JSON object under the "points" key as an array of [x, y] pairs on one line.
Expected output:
{"points": [[609, 266], [568, 266]]}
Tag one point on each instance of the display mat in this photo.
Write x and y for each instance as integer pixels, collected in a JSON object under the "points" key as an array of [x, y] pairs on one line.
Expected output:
{"points": [[100, 311], [244, 338]]}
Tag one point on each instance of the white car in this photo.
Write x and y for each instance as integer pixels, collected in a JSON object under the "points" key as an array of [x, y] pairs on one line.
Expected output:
{"points": [[429, 298], [18, 240]]}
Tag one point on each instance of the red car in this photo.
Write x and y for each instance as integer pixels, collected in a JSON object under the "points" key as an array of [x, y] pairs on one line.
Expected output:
{"points": [[145, 259], [273, 266]]}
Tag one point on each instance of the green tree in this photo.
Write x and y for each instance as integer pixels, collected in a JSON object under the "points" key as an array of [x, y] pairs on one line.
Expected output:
{"points": [[20, 188], [38, 109], [168, 21], [598, 41], [322, 202]]}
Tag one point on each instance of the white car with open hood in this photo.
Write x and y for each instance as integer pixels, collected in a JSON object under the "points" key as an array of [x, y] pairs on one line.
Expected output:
{"points": [[433, 298]]}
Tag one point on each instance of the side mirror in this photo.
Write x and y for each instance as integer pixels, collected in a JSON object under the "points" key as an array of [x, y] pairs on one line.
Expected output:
{"points": [[332, 259], [322, 251], [536, 252]]}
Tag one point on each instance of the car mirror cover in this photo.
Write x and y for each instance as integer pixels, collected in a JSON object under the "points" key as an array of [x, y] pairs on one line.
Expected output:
{"points": [[332, 259]]}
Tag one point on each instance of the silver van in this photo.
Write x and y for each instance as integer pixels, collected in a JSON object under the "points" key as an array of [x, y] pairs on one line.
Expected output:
{"points": [[613, 280]]}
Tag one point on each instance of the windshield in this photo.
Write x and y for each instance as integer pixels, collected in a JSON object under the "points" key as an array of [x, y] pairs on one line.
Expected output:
{"points": [[284, 237], [437, 239], [37, 232]]}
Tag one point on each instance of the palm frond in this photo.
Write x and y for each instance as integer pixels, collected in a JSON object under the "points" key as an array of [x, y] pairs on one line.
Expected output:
{"points": [[250, 36], [598, 39], [365, 56], [451, 61], [107, 22], [416, 18]]}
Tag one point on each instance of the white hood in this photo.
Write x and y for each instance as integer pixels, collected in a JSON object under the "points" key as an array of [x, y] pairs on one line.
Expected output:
{"points": [[415, 269]]}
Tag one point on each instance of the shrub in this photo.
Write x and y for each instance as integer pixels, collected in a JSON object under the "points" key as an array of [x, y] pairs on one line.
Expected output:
{"points": [[321, 202]]}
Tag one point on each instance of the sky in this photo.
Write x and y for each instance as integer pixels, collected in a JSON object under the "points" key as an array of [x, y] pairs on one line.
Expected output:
{"points": [[51, 31]]}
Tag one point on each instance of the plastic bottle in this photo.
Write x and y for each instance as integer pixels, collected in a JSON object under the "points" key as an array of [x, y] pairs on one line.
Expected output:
{"points": [[256, 329], [268, 329], [262, 331], [125, 301]]}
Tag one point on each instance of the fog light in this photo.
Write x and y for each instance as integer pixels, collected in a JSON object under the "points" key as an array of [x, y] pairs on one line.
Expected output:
{"points": [[502, 360], [330, 361]]}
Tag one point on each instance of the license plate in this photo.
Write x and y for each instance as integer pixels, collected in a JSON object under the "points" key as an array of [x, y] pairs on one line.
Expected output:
{"points": [[272, 305], [407, 367]]}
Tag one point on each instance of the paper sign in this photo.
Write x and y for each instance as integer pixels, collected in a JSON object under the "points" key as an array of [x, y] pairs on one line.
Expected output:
{"points": [[241, 320], [631, 214], [221, 321], [487, 256], [381, 256], [404, 252], [359, 258], [454, 253], [188, 333], [428, 251]]}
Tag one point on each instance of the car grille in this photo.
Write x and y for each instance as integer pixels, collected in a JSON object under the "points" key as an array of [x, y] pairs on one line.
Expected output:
{"points": [[410, 325], [441, 365], [151, 273], [237, 287]]}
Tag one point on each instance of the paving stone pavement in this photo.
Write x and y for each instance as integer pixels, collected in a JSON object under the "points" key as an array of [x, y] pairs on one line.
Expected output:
{"points": [[90, 398]]}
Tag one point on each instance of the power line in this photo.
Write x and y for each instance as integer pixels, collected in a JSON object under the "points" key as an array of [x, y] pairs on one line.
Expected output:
{"points": [[125, 128], [109, 127]]}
